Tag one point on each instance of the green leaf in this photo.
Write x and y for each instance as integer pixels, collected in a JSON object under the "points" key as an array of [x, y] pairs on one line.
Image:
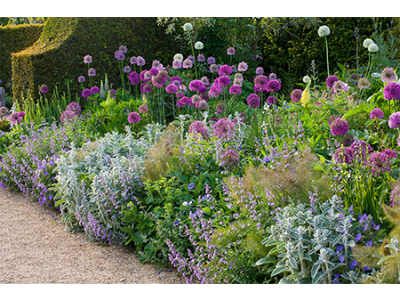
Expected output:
{"points": [[265, 260], [314, 270], [383, 259], [279, 270], [318, 277]]}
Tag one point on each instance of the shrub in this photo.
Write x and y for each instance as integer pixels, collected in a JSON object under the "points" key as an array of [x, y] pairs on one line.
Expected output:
{"points": [[5, 125]]}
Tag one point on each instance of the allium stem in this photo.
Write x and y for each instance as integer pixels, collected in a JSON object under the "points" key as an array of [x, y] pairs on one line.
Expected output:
{"points": [[327, 55], [191, 44]]}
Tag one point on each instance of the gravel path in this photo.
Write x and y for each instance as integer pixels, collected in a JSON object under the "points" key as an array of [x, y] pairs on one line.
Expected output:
{"points": [[35, 248]]}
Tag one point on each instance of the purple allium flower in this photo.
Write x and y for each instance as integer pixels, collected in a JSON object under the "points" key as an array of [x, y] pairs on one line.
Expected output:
{"points": [[134, 78], [213, 68], [180, 94], [259, 71], [234, 69], [238, 82], [176, 64], [202, 104], [44, 88], [163, 74], [239, 76], [331, 80], [3, 111], [230, 159], [15, 118], [395, 196], [211, 60], [348, 139], [205, 81], [127, 69], [204, 96], [140, 61], [195, 85], [145, 76], [195, 99], [376, 113], [363, 83], [272, 100], [215, 91], [113, 92], [360, 150], [21, 115], [332, 119], [86, 93], [187, 63], [242, 67], [67, 116], [261, 82], [74, 107], [392, 91], [81, 79], [156, 64], [146, 88], [143, 108], [225, 70], [394, 120], [87, 59], [272, 76], [223, 81], [339, 86], [224, 129], [173, 78], [390, 153], [379, 163], [171, 89], [273, 86], [153, 71], [296, 95], [133, 60], [123, 49], [201, 57], [235, 90], [388, 75], [221, 108], [231, 51], [95, 90], [158, 81], [253, 100], [91, 72], [343, 155], [119, 55], [192, 58], [339, 127], [133, 117], [198, 127]]}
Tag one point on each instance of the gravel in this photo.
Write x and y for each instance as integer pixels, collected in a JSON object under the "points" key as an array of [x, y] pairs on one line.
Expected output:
{"points": [[36, 248]]}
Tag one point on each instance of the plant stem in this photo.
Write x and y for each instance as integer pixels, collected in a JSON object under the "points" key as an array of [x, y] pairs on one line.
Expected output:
{"points": [[327, 55]]}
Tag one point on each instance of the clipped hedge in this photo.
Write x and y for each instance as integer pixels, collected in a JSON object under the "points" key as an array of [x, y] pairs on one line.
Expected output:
{"points": [[15, 39], [58, 54], [290, 53]]}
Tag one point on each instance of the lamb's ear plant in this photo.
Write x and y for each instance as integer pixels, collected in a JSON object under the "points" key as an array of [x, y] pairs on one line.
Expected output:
{"points": [[305, 243]]}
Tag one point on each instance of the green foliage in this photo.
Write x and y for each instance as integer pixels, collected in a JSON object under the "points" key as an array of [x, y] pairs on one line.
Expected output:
{"points": [[58, 54], [5, 125]]}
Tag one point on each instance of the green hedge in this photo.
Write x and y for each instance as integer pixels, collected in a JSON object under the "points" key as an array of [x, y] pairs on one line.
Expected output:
{"points": [[15, 39], [290, 53], [58, 54]]}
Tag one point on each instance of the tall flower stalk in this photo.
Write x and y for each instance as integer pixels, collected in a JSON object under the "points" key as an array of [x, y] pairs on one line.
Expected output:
{"points": [[324, 31]]}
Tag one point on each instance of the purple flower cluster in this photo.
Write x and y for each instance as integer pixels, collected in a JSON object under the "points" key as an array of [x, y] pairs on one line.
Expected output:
{"points": [[376, 113], [339, 127], [199, 128], [296, 95], [392, 91], [224, 129]]}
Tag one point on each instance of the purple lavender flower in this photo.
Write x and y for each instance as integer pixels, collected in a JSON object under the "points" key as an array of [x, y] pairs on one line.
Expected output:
{"points": [[296, 95], [87, 59], [140, 61], [273, 86], [91, 72], [253, 100], [392, 91], [235, 90], [343, 155], [259, 71], [119, 55], [143, 108], [388, 75], [44, 88], [127, 69], [133, 117], [231, 51], [394, 120], [81, 79], [242, 67], [74, 107], [211, 60], [331, 80], [225, 70]]}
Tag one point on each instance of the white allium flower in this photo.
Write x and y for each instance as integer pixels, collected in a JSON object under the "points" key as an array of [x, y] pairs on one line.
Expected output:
{"points": [[367, 42], [187, 27], [373, 48], [199, 45], [306, 79], [178, 56], [323, 31]]}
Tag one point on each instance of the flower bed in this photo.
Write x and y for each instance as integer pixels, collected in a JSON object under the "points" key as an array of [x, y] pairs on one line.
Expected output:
{"points": [[220, 173]]}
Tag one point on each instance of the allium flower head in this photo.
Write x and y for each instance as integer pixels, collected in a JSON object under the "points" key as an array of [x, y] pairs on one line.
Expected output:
{"points": [[306, 79], [348, 139], [67, 116], [171, 89], [390, 153], [224, 129], [363, 83], [296, 95], [253, 100], [81, 79], [44, 88], [133, 117], [127, 69], [214, 68], [259, 71], [261, 82], [178, 56], [145, 76], [123, 49], [134, 78], [215, 91], [235, 90], [331, 80], [192, 58], [153, 71], [95, 90], [225, 70], [176, 78], [198, 45], [3, 111], [91, 72], [187, 27], [211, 60], [223, 81], [146, 88], [194, 85], [195, 99], [343, 155], [87, 59], [373, 48], [272, 100], [205, 81], [272, 76], [119, 55], [15, 118], [239, 76], [230, 159], [332, 119], [133, 60], [388, 75], [323, 31], [201, 57], [140, 61], [158, 81], [339, 86], [379, 163], [199, 128], [376, 113], [204, 96], [394, 120], [392, 91], [234, 69], [273, 86], [202, 104], [74, 107], [187, 63], [339, 127], [242, 67], [395, 196], [86, 93], [221, 108], [367, 42], [231, 51], [143, 108]]}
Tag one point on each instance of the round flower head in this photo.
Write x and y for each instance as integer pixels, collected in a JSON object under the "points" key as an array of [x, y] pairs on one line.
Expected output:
{"points": [[187, 27], [15, 118], [225, 70], [395, 196], [272, 76], [339, 127], [95, 90], [331, 80], [348, 139], [133, 117], [379, 163], [178, 56], [198, 45], [392, 91], [158, 81], [211, 60], [180, 94], [21, 115], [235, 90], [156, 64], [176, 78], [234, 69], [296, 95], [394, 120], [376, 113], [205, 81], [388, 75], [74, 107], [367, 42], [92, 72], [272, 100], [3, 111], [259, 71], [127, 69], [332, 119], [306, 79], [187, 63], [67, 116], [201, 57], [171, 89], [146, 88], [221, 108], [339, 86], [81, 79], [119, 55], [153, 71], [202, 104], [239, 76], [134, 78], [86, 93], [140, 61], [214, 68], [87, 59], [273, 86], [343, 155], [215, 91], [123, 49], [195, 99], [238, 82], [223, 81], [390, 153], [192, 58], [204, 96], [113, 92], [363, 83], [147, 76], [231, 51], [261, 82], [133, 60], [224, 129], [143, 108], [44, 88], [199, 128], [323, 31], [373, 48], [253, 100], [242, 67], [230, 159], [194, 85]]}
